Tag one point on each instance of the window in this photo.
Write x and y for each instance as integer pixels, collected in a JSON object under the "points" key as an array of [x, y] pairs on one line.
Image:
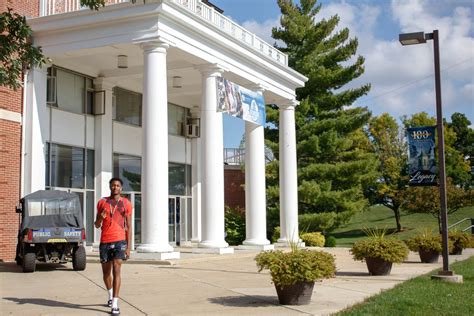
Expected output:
{"points": [[176, 119], [179, 179], [69, 91], [127, 106], [66, 167], [129, 169]]}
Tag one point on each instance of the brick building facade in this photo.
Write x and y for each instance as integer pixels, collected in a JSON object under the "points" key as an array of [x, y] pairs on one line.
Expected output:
{"points": [[10, 147]]}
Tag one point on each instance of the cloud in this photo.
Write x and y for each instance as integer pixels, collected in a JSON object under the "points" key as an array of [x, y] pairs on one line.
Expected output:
{"points": [[402, 77]]}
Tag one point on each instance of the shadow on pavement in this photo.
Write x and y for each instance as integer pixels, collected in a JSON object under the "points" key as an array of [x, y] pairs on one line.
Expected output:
{"points": [[245, 301], [346, 273], [12, 267], [51, 303]]}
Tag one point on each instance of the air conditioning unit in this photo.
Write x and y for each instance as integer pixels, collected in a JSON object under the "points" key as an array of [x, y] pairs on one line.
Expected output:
{"points": [[192, 130]]}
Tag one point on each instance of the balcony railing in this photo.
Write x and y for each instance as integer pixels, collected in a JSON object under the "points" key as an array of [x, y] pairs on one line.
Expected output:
{"points": [[205, 12]]}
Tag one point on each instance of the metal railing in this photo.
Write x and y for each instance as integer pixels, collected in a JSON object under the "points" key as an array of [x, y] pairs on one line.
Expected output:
{"points": [[205, 12], [462, 221], [234, 156]]}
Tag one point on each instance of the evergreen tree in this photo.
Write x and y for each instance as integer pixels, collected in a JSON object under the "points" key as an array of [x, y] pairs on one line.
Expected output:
{"points": [[334, 160]]}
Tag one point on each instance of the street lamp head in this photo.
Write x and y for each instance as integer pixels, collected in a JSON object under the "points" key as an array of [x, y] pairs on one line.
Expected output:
{"points": [[412, 38]]}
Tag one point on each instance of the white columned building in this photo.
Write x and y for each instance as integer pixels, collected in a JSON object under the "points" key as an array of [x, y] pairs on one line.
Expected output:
{"points": [[157, 74], [155, 231], [255, 190], [212, 165], [288, 174]]}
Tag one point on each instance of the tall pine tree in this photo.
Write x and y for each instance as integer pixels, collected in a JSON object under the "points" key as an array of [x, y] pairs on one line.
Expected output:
{"points": [[334, 158]]}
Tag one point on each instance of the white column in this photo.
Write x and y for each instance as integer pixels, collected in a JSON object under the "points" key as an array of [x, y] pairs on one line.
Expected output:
{"points": [[36, 121], [255, 195], [212, 189], [103, 147], [288, 175], [154, 184], [196, 183]]}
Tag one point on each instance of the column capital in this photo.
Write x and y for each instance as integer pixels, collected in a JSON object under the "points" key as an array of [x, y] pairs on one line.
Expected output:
{"points": [[289, 105], [211, 70], [101, 83], [256, 87], [157, 44]]}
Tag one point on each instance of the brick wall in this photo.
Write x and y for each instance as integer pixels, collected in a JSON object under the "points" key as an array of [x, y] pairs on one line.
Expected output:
{"points": [[234, 193], [29, 8], [10, 149]]}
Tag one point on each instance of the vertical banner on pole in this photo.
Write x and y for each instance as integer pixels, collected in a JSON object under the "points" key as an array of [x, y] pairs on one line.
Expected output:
{"points": [[422, 166]]}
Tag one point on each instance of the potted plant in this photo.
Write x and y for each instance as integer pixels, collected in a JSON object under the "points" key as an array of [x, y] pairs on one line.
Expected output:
{"points": [[428, 246], [460, 241], [294, 273], [379, 252]]}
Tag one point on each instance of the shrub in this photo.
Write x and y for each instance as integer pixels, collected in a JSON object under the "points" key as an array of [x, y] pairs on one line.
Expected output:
{"points": [[331, 241], [234, 226], [276, 234], [460, 239], [313, 239], [388, 249], [426, 241], [287, 268]]}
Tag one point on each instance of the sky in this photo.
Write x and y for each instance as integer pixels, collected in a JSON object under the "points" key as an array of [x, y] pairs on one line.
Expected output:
{"points": [[402, 77]]}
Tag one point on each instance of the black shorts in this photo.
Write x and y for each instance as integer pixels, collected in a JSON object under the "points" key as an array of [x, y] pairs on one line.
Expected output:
{"points": [[113, 250]]}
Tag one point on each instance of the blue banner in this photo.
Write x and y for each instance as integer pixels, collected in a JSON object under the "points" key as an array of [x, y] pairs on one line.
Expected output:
{"points": [[422, 166], [240, 102]]}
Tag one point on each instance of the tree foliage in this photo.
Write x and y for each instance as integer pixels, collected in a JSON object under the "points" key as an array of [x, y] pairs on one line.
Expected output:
{"points": [[333, 156], [17, 52], [388, 142]]}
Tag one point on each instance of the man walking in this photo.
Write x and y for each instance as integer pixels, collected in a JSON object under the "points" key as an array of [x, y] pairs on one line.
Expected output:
{"points": [[114, 218]]}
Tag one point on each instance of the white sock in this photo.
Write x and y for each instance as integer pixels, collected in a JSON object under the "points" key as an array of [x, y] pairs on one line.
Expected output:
{"points": [[111, 293], [115, 302]]}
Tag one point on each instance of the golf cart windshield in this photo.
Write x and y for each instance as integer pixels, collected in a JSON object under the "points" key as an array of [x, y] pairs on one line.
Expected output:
{"points": [[49, 208]]}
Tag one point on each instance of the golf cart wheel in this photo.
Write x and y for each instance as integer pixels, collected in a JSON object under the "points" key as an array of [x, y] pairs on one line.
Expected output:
{"points": [[79, 258], [29, 262]]}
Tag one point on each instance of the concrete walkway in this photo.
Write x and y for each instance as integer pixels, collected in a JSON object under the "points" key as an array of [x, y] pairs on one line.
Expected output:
{"points": [[196, 284]]}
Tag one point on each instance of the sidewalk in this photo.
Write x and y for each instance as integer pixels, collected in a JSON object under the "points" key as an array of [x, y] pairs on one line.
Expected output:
{"points": [[196, 284]]}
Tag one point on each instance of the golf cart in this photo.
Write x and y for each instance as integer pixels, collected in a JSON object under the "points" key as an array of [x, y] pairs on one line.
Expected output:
{"points": [[51, 230]]}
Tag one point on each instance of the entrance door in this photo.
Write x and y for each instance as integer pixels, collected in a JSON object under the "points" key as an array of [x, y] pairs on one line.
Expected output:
{"points": [[179, 220]]}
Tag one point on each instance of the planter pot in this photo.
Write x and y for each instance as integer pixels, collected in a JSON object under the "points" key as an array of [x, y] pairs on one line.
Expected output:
{"points": [[456, 251], [430, 256], [377, 266], [296, 294]]}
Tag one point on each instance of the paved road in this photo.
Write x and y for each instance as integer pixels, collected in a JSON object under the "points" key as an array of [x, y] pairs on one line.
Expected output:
{"points": [[194, 285]]}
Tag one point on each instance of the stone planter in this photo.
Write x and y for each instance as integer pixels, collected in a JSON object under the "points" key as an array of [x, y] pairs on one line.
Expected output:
{"points": [[430, 256], [296, 294], [377, 266]]}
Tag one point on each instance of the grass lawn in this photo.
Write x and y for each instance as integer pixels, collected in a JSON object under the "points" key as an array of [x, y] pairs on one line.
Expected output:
{"points": [[423, 296], [382, 217]]}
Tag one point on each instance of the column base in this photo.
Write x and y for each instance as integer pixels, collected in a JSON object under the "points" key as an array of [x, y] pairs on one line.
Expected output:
{"points": [[213, 244], [455, 278], [154, 248], [256, 242], [256, 247], [219, 251]]}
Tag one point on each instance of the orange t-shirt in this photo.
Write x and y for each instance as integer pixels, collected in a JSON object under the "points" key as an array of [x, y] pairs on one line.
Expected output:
{"points": [[113, 225]]}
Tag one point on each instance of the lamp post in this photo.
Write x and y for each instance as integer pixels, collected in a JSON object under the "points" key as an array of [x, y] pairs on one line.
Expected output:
{"points": [[419, 38]]}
